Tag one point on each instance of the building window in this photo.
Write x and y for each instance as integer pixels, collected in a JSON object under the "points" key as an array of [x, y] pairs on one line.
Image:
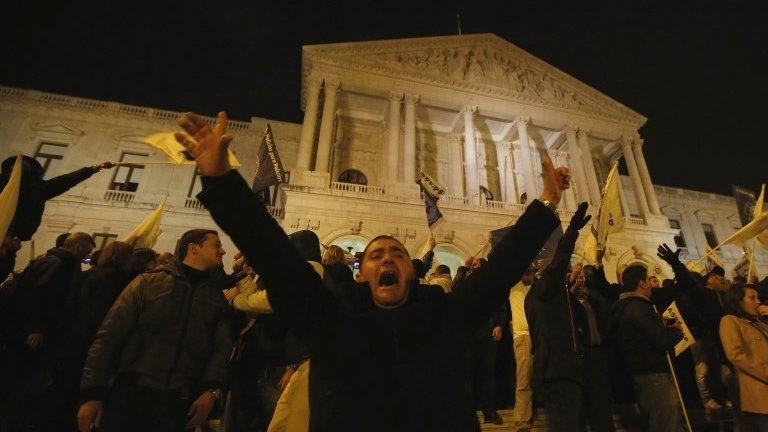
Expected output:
{"points": [[353, 176], [196, 186], [103, 239], [679, 238], [486, 193], [127, 176], [709, 233], [50, 155]]}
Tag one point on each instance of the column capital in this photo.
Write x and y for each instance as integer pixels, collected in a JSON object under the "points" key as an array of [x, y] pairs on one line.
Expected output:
{"points": [[332, 85], [581, 130], [625, 141], [469, 110], [315, 81], [411, 99], [524, 120], [638, 142], [395, 96], [570, 129]]}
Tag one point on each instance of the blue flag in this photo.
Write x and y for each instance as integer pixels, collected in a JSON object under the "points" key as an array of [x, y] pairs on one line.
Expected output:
{"points": [[430, 205]]}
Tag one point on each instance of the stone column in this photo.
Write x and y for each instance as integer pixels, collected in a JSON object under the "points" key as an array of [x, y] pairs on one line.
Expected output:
{"points": [[623, 198], [634, 175], [589, 166], [470, 152], [527, 162], [457, 183], [409, 141], [304, 159], [393, 143], [510, 179], [577, 166], [326, 127], [645, 176]]}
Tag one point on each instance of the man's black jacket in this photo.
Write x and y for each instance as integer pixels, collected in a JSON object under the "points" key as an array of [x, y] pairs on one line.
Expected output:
{"points": [[642, 338], [164, 331], [557, 321], [392, 369]]}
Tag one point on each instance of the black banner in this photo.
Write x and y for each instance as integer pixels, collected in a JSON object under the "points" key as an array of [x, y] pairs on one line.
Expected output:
{"points": [[269, 169], [745, 202]]}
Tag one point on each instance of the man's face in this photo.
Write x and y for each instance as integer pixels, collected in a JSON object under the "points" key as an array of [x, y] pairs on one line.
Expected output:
{"points": [[654, 281], [83, 251], [717, 283], [209, 253], [644, 287], [387, 268]]}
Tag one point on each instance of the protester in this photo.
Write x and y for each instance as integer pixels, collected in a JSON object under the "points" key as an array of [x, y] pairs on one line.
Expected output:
{"points": [[421, 266], [442, 278], [522, 413], [643, 340], [702, 310], [40, 317], [33, 194], [744, 334], [163, 259], [567, 325], [144, 260], [167, 341], [336, 270], [390, 343]]}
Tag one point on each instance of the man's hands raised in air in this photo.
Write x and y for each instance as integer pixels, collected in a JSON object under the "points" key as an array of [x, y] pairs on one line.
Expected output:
{"points": [[208, 145]]}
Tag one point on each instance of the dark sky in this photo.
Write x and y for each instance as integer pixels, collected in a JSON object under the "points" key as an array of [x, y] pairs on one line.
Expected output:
{"points": [[697, 72]]}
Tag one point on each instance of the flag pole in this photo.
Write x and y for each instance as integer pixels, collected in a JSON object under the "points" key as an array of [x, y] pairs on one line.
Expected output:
{"points": [[679, 394]]}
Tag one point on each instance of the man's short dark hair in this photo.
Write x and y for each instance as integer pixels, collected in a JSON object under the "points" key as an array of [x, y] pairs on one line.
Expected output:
{"points": [[60, 239], [632, 276], [442, 269], [383, 236], [307, 243], [196, 236]]}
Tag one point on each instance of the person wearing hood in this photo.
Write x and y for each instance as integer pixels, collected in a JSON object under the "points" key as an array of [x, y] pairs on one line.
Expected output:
{"points": [[644, 340], [392, 346], [35, 192], [41, 317]]}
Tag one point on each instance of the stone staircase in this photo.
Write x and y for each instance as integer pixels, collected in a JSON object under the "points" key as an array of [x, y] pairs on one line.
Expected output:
{"points": [[626, 419]]}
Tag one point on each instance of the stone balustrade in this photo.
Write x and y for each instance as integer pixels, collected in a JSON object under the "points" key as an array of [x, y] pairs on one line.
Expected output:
{"points": [[119, 196]]}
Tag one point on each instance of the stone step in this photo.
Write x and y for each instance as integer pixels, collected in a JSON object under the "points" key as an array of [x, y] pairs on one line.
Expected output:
{"points": [[626, 419]]}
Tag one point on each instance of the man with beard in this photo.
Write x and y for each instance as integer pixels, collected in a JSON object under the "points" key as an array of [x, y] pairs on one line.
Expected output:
{"points": [[392, 347]]}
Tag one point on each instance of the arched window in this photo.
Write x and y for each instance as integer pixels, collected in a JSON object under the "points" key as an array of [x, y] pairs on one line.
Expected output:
{"points": [[488, 195], [353, 176]]}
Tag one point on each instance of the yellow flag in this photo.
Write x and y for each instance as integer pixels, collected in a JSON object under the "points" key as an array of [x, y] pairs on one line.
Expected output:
{"points": [[713, 258], [166, 143], [589, 250], [610, 218], [146, 233], [758, 226], [9, 198], [759, 203]]}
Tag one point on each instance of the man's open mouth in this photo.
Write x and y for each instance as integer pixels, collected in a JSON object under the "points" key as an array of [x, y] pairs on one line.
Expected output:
{"points": [[388, 278]]}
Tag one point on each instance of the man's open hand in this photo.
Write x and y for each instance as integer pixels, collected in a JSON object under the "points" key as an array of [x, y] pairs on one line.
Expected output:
{"points": [[579, 218], [665, 252], [208, 145]]}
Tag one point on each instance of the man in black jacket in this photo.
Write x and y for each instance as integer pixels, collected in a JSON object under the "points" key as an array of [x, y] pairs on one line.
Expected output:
{"points": [[392, 346], [36, 324], [644, 340], [32, 197], [167, 339], [567, 323]]}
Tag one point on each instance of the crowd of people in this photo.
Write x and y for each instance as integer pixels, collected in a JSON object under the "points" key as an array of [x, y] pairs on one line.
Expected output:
{"points": [[293, 340]]}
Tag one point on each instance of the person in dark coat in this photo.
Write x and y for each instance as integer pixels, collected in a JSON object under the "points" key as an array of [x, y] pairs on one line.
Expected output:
{"points": [[34, 193], [389, 342], [166, 342], [37, 327], [644, 341], [568, 325]]}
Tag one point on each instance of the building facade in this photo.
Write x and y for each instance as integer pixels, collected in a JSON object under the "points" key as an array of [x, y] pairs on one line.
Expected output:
{"points": [[475, 112]]}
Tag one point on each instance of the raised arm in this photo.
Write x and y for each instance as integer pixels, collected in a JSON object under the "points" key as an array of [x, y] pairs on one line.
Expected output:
{"points": [[60, 184], [483, 291], [684, 280], [294, 289]]}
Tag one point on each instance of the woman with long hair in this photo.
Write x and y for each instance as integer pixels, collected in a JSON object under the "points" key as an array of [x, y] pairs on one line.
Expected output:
{"points": [[744, 334]]}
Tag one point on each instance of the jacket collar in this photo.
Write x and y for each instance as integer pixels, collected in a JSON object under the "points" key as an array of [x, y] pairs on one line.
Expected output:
{"points": [[632, 294]]}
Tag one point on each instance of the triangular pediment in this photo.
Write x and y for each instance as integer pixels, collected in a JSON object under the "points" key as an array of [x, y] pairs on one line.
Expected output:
{"points": [[481, 63], [58, 128]]}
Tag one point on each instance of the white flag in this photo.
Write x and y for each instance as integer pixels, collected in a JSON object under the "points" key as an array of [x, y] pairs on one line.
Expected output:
{"points": [[673, 313], [609, 219]]}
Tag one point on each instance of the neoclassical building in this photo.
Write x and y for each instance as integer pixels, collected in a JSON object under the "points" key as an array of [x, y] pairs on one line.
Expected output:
{"points": [[475, 112]]}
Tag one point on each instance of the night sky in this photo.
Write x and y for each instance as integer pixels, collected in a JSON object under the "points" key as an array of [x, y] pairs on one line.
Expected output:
{"points": [[696, 72]]}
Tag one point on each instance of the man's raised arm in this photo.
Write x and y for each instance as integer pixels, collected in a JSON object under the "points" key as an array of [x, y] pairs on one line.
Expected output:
{"points": [[295, 290], [483, 291]]}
